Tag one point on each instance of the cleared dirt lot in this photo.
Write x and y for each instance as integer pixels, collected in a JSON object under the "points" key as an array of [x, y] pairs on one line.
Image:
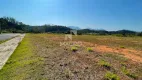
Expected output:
{"points": [[40, 57]]}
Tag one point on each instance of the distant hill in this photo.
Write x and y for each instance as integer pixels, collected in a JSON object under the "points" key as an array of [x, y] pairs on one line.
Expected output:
{"points": [[74, 27], [10, 25]]}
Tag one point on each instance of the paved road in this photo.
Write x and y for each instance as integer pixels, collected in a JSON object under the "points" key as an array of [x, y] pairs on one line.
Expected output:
{"points": [[7, 36], [7, 48]]}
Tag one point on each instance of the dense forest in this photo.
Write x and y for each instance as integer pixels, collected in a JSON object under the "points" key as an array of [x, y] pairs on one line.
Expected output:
{"points": [[10, 25]]}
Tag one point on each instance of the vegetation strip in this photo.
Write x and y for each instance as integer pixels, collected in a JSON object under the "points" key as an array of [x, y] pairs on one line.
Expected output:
{"points": [[8, 48], [23, 63]]}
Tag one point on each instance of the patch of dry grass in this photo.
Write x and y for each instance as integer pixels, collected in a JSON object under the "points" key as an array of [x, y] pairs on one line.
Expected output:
{"points": [[40, 56], [112, 41]]}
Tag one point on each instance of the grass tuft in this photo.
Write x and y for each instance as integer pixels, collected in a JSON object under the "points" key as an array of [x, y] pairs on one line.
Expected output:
{"points": [[77, 46], [122, 47], [89, 49], [74, 49], [127, 72], [104, 64], [111, 76]]}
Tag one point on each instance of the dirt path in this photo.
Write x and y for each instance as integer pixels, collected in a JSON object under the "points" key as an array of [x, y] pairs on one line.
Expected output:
{"points": [[7, 48]]}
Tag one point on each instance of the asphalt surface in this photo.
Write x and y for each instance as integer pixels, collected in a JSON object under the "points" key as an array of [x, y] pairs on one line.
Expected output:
{"points": [[7, 36]]}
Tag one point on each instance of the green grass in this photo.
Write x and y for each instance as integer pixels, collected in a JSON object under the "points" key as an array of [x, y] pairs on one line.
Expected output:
{"points": [[22, 62], [122, 47], [104, 64], [74, 49], [117, 57], [3, 41], [111, 76], [128, 73], [89, 49], [77, 46]]}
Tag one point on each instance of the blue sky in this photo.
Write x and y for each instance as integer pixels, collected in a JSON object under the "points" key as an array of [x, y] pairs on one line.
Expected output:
{"points": [[97, 14]]}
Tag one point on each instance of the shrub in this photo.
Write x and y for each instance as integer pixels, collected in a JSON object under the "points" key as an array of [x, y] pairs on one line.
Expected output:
{"points": [[127, 72], [105, 64], [123, 64], [111, 76], [139, 34], [76, 46], [122, 47], [89, 49], [74, 49]]}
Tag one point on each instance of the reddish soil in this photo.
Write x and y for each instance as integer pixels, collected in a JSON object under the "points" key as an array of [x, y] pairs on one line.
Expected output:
{"points": [[128, 53], [134, 55], [63, 64]]}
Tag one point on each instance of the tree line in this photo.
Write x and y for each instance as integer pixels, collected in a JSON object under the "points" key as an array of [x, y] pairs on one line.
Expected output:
{"points": [[10, 25], [121, 33]]}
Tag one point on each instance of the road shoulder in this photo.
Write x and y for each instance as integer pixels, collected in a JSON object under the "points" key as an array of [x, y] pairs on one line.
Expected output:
{"points": [[8, 47]]}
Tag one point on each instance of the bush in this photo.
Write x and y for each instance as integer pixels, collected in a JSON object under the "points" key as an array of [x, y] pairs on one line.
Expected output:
{"points": [[139, 34], [89, 49], [111, 76], [127, 72], [5, 31], [122, 47], [105, 64], [74, 49]]}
